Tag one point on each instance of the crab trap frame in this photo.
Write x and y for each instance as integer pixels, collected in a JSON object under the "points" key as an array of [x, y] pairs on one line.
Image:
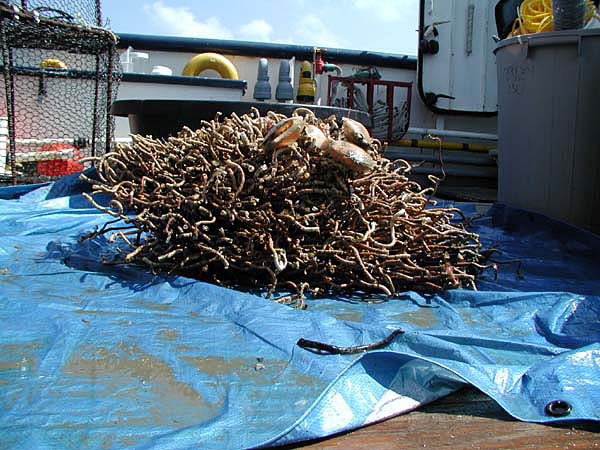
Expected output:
{"points": [[60, 76]]}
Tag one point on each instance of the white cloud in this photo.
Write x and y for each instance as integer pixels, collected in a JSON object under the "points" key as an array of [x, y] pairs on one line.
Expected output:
{"points": [[311, 30], [257, 30], [180, 21], [386, 10]]}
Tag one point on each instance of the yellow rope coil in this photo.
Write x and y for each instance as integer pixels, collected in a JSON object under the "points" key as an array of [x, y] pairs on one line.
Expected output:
{"points": [[535, 16], [53, 63]]}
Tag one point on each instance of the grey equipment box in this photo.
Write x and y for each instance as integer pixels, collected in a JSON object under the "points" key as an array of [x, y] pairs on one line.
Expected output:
{"points": [[549, 125]]}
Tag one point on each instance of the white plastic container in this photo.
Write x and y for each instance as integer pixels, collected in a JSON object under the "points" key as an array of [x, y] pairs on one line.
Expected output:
{"points": [[548, 127], [161, 70]]}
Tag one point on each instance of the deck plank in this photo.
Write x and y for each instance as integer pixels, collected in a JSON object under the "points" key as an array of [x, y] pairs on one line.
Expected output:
{"points": [[467, 419]]}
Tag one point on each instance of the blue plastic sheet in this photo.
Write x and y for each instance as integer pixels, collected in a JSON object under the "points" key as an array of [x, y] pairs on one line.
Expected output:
{"points": [[96, 356]]}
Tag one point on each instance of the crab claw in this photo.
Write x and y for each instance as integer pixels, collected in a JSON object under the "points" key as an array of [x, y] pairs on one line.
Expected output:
{"points": [[356, 132], [284, 132], [350, 156]]}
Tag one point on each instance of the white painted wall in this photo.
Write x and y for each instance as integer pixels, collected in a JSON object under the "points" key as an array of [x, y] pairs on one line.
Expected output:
{"points": [[247, 67], [465, 67]]}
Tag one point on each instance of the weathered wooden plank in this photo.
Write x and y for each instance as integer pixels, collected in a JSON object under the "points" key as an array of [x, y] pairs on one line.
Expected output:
{"points": [[465, 420]]}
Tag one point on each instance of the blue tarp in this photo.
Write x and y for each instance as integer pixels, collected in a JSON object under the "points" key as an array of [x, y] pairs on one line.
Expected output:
{"points": [[96, 356]]}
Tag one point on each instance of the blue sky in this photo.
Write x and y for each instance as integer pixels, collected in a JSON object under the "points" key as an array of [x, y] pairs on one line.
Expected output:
{"points": [[378, 25]]}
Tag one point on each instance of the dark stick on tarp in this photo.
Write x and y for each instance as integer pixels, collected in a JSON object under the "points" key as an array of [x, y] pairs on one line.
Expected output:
{"points": [[322, 348]]}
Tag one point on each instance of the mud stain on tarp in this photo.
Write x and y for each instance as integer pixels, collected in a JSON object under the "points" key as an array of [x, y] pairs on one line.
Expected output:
{"points": [[259, 371], [21, 357], [468, 317], [214, 366], [9, 278], [184, 348], [23, 365], [94, 311], [350, 316], [91, 291], [148, 304], [168, 334], [422, 317], [17, 348], [19, 363], [158, 398]]}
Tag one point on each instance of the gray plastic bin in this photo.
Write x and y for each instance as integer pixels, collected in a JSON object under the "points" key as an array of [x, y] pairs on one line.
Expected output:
{"points": [[549, 124]]}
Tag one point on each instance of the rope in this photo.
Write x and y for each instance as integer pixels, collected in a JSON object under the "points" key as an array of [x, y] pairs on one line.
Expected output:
{"points": [[535, 16]]}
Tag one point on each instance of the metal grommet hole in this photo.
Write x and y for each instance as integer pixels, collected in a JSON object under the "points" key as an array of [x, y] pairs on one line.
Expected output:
{"points": [[558, 408]]}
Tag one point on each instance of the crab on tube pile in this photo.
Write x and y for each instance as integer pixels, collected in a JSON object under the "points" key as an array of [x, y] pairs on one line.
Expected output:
{"points": [[289, 204]]}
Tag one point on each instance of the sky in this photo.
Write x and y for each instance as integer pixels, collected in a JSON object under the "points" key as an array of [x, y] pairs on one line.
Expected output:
{"points": [[377, 25]]}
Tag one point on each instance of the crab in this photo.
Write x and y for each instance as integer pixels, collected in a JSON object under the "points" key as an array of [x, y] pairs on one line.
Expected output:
{"points": [[284, 133], [345, 152], [356, 132], [350, 156]]}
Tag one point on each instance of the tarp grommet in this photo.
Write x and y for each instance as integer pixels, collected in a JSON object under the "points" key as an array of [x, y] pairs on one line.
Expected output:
{"points": [[558, 408]]}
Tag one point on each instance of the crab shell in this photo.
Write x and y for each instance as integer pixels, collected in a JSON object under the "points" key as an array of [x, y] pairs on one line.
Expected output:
{"points": [[350, 156], [356, 132], [284, 133], [319, 139]]}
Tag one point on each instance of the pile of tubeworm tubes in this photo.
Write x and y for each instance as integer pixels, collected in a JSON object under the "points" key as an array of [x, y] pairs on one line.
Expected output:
{"points": [[292, 204]]}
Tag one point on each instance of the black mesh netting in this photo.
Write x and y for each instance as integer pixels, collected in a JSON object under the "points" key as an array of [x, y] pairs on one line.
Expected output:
{"points": [[60, 77], [79, 11]]}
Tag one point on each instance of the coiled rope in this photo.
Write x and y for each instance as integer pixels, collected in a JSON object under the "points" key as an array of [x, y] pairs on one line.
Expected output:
{"points": [[535, 16]]}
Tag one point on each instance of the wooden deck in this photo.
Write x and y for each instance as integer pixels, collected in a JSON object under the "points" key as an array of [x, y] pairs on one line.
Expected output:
{"points": [[467, 419]]}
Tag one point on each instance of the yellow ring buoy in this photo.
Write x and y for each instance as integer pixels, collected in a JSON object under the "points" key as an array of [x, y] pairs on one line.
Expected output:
{"points": [[214, 61]]}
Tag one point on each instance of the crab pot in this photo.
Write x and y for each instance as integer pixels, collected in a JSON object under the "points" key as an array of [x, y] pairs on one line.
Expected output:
{"points": [[59, 77], [548, 145]]}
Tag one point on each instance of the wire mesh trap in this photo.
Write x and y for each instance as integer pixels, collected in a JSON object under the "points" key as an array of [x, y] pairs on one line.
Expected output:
{"points": [[83, 12], [60, 78]]}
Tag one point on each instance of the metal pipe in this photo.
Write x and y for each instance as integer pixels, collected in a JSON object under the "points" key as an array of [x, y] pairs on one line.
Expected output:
{"points": [[64, 154], [328, 67], [361, 58], [453, 133], [28, 141], [470, 172], [421, 143], [484, 161]]}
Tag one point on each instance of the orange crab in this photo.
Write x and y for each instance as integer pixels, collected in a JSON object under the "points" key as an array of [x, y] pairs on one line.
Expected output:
{"points": [[356, 132], [349, 155], [284, 133], [288, 131]]}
